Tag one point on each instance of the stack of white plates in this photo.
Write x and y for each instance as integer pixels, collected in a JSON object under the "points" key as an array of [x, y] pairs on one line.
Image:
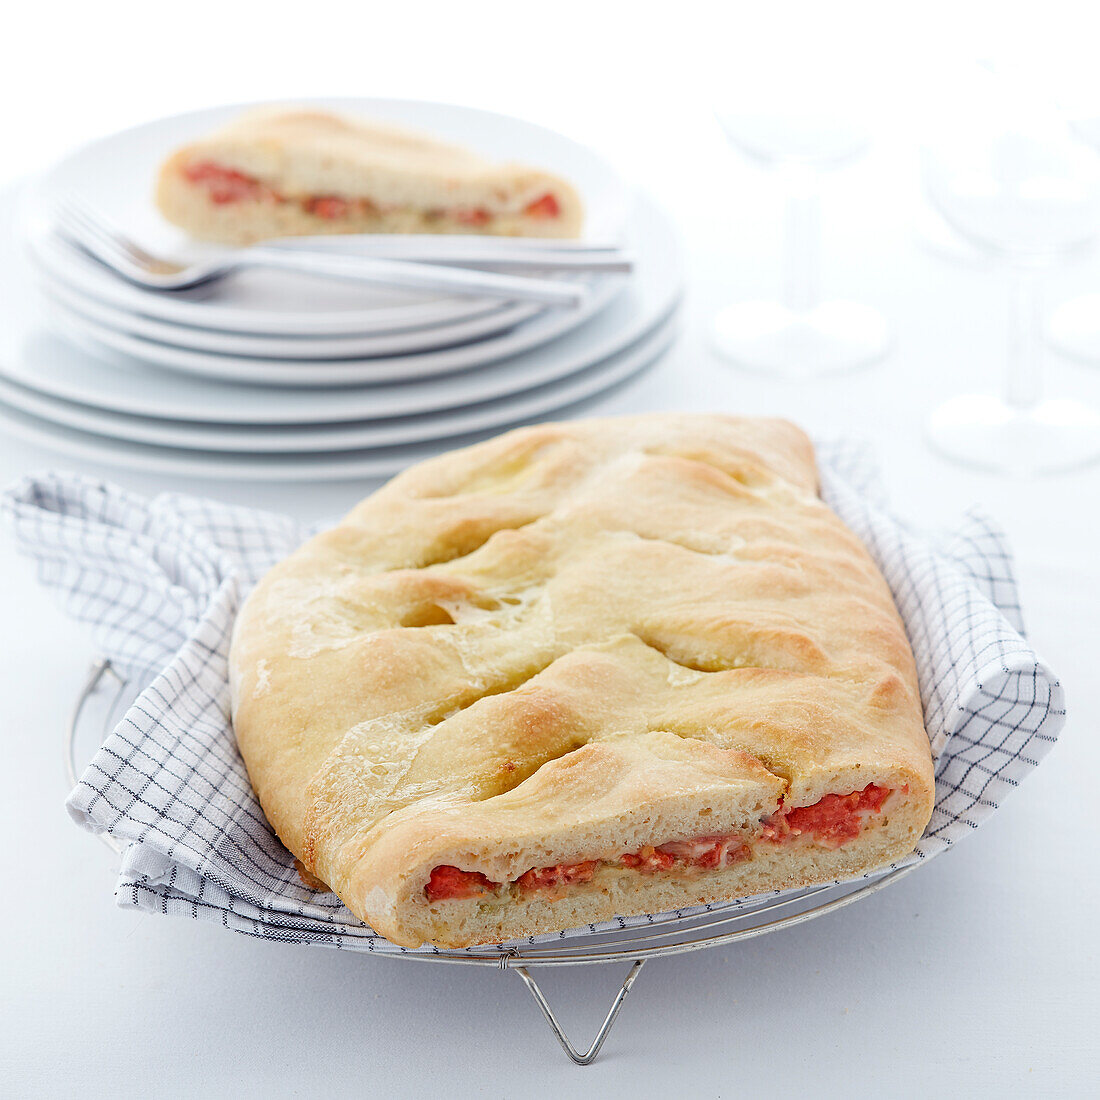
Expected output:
{"points": [[266, 375]]}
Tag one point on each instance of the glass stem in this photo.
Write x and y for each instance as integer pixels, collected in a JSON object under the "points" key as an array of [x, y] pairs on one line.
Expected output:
{"points": [[1023, 383], [802, 241]]}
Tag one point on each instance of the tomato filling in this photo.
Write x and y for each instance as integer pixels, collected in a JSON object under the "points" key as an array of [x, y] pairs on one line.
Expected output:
{"points": [[561, 874], [327, 206], [546, 207], [831, 822], [225, 185], [471, 215], [450, 882], [648, 859], [707, 852]]}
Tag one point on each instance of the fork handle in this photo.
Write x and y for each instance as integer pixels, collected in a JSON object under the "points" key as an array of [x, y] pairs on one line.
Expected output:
{"points": [[611, 261], [418, 276]]}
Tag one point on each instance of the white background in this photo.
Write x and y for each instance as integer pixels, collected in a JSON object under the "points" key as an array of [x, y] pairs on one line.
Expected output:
{"points": [[975, 976]]}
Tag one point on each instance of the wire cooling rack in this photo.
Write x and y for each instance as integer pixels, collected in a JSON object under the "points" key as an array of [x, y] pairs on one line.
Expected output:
{"points": [[660, 937]]}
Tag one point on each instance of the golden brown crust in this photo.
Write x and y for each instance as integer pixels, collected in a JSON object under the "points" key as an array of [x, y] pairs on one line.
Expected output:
{"points": [[567, 643]]}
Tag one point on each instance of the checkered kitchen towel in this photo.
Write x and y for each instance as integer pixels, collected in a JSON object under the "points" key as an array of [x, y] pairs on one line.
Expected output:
{"points": [[160, 581]]}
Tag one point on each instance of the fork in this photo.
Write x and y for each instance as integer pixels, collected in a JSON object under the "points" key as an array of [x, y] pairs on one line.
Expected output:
{"points": [[109, 245], [531, 253]]}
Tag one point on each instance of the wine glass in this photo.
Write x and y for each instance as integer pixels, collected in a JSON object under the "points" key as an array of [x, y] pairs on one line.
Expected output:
{"points": [[1024, 191], [1074, 327], [799, 335]]}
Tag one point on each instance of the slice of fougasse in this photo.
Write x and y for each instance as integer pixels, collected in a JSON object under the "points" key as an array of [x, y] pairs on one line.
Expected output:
{"points": [[278, 173]]}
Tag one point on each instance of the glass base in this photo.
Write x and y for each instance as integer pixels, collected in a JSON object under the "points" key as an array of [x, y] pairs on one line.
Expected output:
{"points": [[1074, 328], [834, 336], [983, 431]]}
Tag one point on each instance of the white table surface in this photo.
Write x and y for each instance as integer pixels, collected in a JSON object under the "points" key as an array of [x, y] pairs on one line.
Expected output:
{"points": [[975, 976]]}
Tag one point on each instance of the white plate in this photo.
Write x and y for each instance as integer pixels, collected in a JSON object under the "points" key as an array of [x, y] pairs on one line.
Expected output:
{"points": [[314, 466], [541, 329], [33, 356], [249, 439], [116, 175], [292, 347]]}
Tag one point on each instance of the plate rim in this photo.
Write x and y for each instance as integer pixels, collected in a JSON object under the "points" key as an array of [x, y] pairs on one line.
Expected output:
{"points": [[547, 326], [340, 347], [221, 465]]}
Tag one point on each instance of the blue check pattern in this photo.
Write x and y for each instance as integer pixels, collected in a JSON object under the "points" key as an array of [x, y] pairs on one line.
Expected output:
{"points": [[159, 582]]}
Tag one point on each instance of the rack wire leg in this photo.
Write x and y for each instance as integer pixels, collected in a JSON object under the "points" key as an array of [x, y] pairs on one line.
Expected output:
{"points": [[588, 1056], [100, 668]]}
